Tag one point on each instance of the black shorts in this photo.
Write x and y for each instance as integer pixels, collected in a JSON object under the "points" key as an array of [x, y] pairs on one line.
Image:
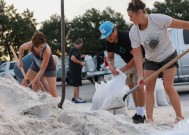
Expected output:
{"points": [[151, 65], [75, 79]]}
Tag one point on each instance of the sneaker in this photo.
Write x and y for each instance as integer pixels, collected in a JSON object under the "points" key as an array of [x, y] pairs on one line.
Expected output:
{"points": [[134, 117], [79, 100], [73, 99], [138, 119]]}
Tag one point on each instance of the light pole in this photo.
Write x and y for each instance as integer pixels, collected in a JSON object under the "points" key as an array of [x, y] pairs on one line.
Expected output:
{"points": [[63, 44]]}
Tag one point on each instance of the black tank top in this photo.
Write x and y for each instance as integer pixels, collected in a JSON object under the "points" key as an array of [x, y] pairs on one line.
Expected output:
{"points": [[38, 59]]}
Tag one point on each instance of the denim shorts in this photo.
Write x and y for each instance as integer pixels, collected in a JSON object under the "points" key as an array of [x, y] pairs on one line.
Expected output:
{"points": [[51, 73], [151, 65]]}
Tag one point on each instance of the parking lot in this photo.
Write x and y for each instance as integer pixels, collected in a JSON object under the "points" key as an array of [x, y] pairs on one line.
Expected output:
{"points": [[88, 89]]}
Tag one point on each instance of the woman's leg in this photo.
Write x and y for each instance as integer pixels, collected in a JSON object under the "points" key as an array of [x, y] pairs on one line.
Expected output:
{"points": [[30, 75], [168, 80], [150, 85], [52, 86], [45, 83]]}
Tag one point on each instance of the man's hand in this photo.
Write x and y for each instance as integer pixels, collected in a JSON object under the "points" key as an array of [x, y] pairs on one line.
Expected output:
{"points": [[122, 69], [82, 63], [114, 71], [83, 55]]}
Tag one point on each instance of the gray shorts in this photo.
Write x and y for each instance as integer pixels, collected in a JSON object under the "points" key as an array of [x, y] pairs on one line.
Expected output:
{"points": [[151, 65], [51, 73], [131, 77]]}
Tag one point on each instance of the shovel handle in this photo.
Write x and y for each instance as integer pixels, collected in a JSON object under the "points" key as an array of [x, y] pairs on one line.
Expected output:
{"points": [[157, 72], [165, 66], [15, 56], [130, 91]]}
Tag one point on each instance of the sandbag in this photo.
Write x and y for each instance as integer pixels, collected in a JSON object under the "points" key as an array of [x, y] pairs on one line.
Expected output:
{"points": [[90, 64], [160, 93], [131, 103], [99, 95], [115, 92]]}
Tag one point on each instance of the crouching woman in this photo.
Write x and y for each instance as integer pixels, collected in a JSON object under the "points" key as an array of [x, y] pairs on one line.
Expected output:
{"points": [[43, 64]]}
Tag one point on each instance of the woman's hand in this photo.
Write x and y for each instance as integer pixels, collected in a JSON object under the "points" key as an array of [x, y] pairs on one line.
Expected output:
{"points": [[34, 81], [140, 82]]}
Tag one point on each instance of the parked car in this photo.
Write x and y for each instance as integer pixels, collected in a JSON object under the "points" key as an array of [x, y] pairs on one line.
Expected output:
{"points": [[7, 68], [180, 39], [59, 67]]}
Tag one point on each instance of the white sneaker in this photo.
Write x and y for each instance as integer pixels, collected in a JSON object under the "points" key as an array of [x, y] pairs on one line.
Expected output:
{"points": [[79, 100]]}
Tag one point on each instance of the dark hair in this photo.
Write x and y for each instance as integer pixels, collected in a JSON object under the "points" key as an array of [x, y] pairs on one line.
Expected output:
{"points": [[136, 5], [78, 41], [38, 38]]}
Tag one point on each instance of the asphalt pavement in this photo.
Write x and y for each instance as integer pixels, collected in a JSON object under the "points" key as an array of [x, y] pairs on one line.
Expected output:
{"points": [[87, 91]]}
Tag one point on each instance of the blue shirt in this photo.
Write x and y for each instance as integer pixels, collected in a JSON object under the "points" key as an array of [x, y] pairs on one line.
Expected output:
{"points": [[27, 61]]}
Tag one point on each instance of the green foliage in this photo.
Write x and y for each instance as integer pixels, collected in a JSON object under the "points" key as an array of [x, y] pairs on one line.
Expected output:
{"points": [[86, 27], [175, 8], [52, 29], [16, 28], [19, 28]]}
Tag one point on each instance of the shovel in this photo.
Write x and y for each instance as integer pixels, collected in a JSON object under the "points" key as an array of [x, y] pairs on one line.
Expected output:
{"points": [[22, 69], [156, 73]]}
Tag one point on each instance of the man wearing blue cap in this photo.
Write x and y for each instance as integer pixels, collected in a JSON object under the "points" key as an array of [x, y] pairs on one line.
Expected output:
{"points": [[118, 42]]}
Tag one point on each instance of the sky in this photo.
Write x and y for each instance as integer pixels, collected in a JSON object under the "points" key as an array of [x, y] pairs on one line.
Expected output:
{"points": [[43, 9]]}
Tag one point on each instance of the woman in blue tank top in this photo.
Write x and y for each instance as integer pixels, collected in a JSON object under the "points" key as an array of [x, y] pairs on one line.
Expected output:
{"points": [[43, 64]]}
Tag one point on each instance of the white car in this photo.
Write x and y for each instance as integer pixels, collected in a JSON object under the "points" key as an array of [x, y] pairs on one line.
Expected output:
{"points": [[7, 68]]}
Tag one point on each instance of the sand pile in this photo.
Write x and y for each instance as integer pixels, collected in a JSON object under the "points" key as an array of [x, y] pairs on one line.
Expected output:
{"points": [[24, 112]]}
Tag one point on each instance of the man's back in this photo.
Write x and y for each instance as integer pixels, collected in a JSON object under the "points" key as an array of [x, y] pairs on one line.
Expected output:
{"points": [[27, 61]]}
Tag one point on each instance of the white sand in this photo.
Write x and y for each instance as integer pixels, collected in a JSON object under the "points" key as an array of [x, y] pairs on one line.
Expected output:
{"points": [[24, 112]]}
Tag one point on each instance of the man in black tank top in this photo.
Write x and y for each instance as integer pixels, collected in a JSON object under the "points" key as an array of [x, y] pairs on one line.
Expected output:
{"points": [[118, 42]]}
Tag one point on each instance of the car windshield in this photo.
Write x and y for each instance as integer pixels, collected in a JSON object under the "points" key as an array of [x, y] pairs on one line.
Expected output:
{"points": [[11, 65]]}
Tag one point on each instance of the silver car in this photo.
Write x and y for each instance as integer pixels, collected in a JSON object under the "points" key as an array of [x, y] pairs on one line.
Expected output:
{"points": [[59, 68], [7, 68]]}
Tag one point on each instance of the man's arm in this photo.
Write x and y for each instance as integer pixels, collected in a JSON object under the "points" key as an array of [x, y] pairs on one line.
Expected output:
{"points": [[110, 59], [129, 65], [74, 59]]}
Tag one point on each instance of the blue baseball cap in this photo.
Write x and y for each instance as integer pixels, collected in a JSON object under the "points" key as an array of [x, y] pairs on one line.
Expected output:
{"points": [[106, 29]]}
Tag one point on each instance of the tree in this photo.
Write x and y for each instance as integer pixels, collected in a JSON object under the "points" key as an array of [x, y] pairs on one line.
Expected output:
{"points": [[52, 29], [3, 22], [175, 8], [16, 28], [86, 27]]}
